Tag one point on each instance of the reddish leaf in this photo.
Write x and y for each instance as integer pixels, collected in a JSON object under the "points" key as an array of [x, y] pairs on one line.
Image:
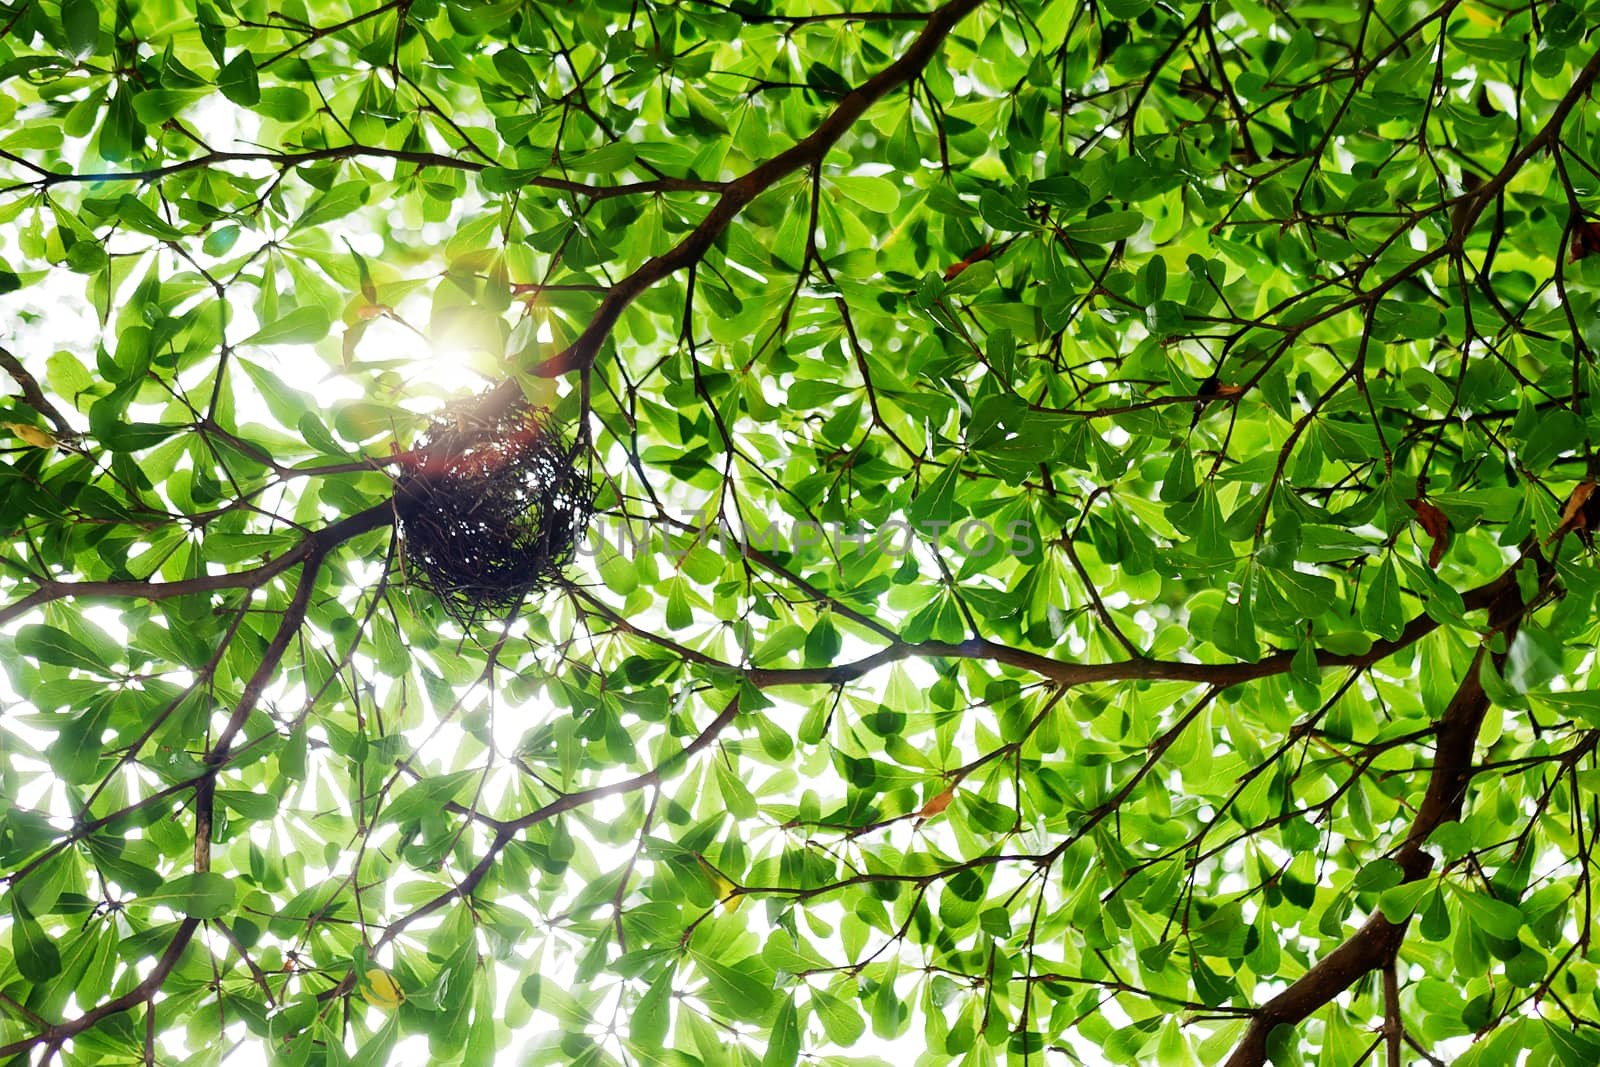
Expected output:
{"points": [[982, 252], [1436, 525], [937, 803], [1576, 513], [1585, 240]]}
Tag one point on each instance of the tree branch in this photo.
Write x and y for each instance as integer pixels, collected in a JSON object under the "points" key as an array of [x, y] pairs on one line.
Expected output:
{"points": [[318, 542], [737, 194], [287, 160], [1378, 940], [54, 1036], [34, 395]]}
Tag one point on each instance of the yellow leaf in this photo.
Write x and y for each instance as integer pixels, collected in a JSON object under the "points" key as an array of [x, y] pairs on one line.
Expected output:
{"points": [[379, 989], [727, 891], [31, 434]]}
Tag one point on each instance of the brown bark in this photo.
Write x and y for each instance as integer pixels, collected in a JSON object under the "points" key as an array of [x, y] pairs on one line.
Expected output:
{"points": [[1378, 940]]}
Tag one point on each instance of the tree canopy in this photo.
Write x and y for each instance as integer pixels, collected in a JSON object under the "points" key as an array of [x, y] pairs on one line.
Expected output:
{"points": [[1091, 551]]}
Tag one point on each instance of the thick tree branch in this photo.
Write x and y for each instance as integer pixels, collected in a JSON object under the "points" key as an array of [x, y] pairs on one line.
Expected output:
{"points": [[286, 160], [737, 194], [1062, 672], [1472, 203], [53, 1037], [1375, 944], [316, 547], [316, 543]]}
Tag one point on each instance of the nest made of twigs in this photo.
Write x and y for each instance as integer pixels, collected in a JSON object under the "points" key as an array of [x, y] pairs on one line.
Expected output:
{"points": [[492, 505]]}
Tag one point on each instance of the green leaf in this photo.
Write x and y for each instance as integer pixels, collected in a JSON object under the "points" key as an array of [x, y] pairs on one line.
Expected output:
{"points": [[155, 106], [935, 506], [220, 240], [426, 796], [68, 377], [1127, 9], [285, 403], [875, 194], [1380, 874], [1559, 431], [1381, 608], [369, 291], [203, 895], [140, 217], [247, 804], [237, 80], [284, 103], [1169, 725], [651, 1015], [80, 20], [1002, 211], [823, 643], [1584, 704], [317, 436], [336, 203], [1153, 280], [37, 957], [1106, 228], [841, 1021], [1398, 903], [1435, 924], [679, 613], [1213, 989], [783, 1045], [377, 1050], [292, 757], [736, 987], [1573, 1048], [741, 804], [1494, 917], [301, 326], [75, 753], [50, 645]]}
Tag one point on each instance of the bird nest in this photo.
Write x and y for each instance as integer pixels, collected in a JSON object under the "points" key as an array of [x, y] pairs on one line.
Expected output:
{"points": [[492, 504]]}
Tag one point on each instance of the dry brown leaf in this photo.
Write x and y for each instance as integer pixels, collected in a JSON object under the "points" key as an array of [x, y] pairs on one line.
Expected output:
{"points": [[937, 803], [1572, 512], [1585, 241], [1436, 525], [981, 253]]}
